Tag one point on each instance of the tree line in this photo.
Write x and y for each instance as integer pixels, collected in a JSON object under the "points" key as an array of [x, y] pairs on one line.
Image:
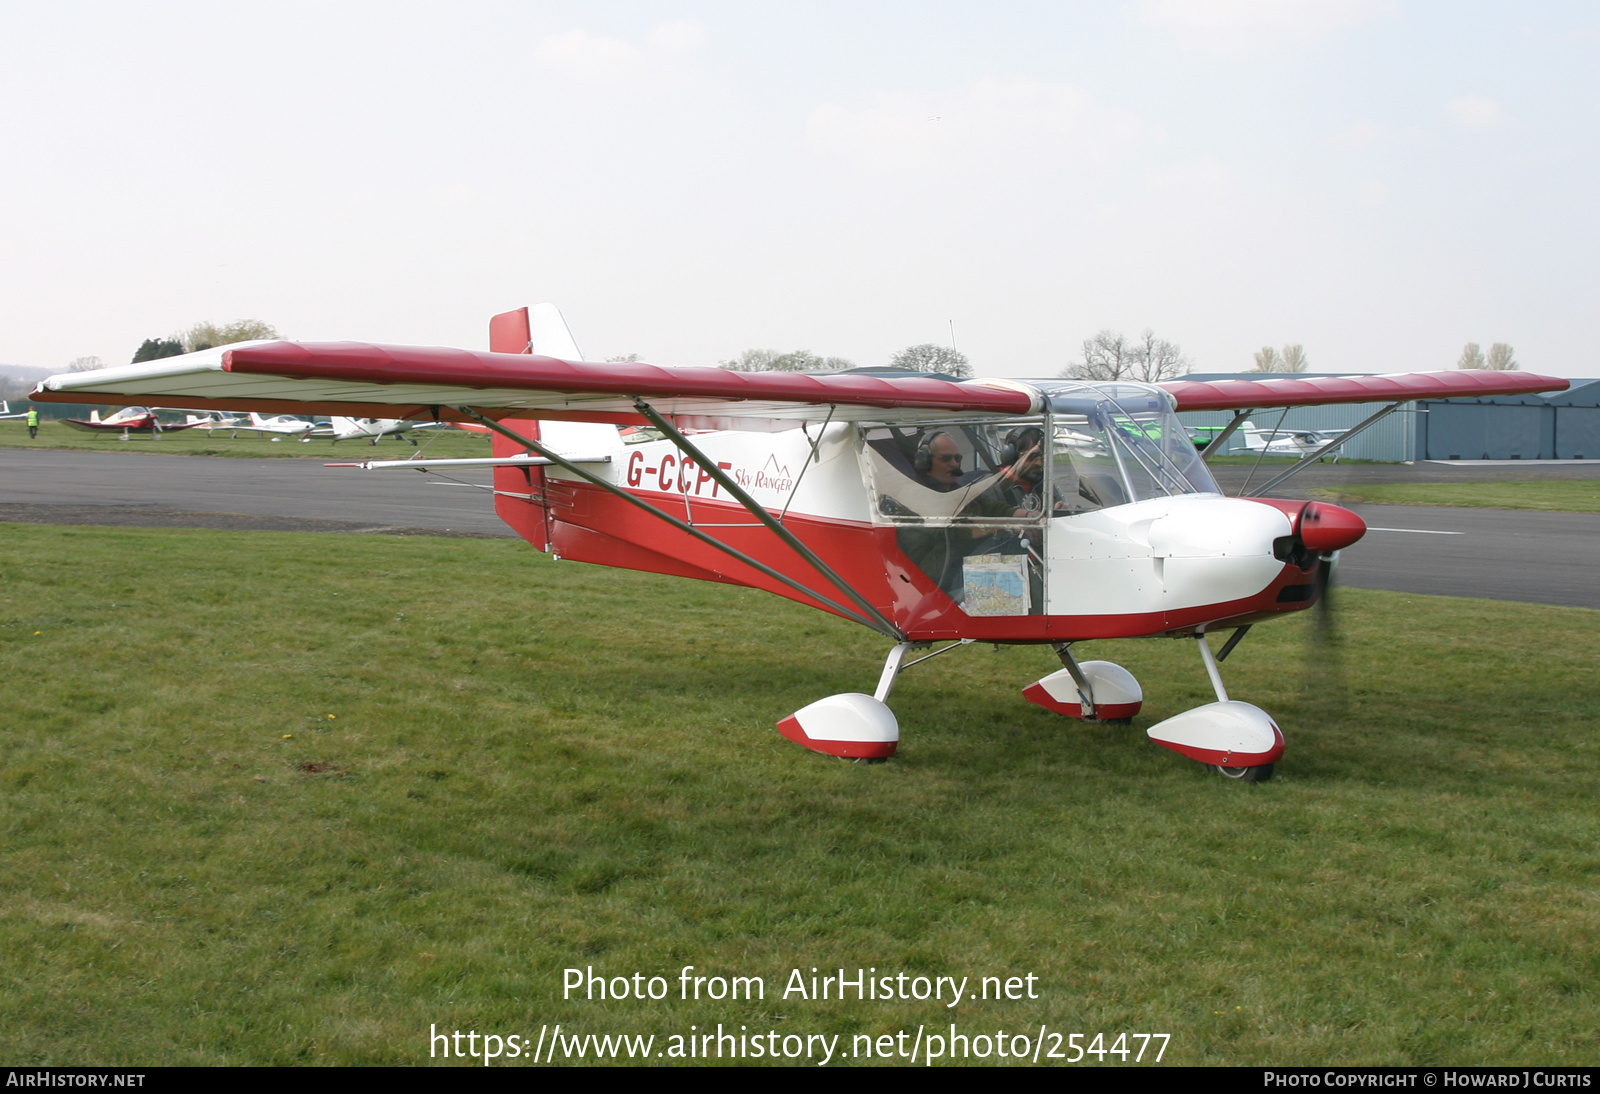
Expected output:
{"points": [[923, 357], [203, 336], [1501, 357]]}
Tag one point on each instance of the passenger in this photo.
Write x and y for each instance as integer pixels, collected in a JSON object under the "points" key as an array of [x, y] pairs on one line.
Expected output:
{"points": [[1020, 482], [1016, 492], [936, 463]]}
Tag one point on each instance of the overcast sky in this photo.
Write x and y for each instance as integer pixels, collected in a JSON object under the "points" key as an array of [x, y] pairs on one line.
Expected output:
{"points": [[1379, 180]]}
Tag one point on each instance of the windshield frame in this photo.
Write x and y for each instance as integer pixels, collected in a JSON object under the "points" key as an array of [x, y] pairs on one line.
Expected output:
{"points": [[1121, 415]]}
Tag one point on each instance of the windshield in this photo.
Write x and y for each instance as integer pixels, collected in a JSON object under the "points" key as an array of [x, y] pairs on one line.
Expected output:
{"points": [[1117, 443]]}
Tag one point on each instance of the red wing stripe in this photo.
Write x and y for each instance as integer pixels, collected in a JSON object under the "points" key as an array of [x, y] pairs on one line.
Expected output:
{"points": [[371, 364], [1321, 390]]}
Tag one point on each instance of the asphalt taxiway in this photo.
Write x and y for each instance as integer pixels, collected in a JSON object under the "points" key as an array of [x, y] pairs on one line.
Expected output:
{"points": [[58, 486], [1543, 558]]}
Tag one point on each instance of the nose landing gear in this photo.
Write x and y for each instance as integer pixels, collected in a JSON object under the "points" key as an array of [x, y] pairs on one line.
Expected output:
{"points": [[1237, 740]]}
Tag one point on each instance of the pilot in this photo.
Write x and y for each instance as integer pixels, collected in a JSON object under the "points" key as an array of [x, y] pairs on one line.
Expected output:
{"points": [[936, 551], [1015, 492], [939, 459]]}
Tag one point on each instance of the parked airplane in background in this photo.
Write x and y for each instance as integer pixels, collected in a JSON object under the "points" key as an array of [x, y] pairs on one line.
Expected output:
{"points": [[1044, 512], [284, 425], [213, 421], [5, 411], [349, 429], [131, 419], [1274, 442], [1290, 442]]}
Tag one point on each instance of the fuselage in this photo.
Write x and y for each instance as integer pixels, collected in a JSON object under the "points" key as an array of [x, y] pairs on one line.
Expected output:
{"points": [[1113, 530]]}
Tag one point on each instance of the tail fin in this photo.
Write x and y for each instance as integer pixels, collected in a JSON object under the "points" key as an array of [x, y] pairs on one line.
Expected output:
{"points": [[519, 492], [541, 329], [548, 333], [508, 332]]}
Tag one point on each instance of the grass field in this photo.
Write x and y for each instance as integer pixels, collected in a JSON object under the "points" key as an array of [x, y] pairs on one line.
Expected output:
{"points": [[1579, 496], [440, 444], [277, 798]]}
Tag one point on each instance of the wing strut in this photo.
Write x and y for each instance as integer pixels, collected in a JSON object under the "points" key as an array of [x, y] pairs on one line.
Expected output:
{"points": [[1325, 449], [814, 459], [879, 624], [875, 621], [1217, 442]]}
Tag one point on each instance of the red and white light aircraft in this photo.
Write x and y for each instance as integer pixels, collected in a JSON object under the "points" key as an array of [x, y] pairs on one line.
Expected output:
{"points": [[932, 511], [130, 419]]}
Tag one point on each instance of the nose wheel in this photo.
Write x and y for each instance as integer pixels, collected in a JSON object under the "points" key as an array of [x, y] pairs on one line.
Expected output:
{"points": [[1236, 740]]}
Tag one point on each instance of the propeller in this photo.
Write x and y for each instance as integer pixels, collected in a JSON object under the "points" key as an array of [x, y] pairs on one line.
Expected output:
{"points": [[1324, 530]]}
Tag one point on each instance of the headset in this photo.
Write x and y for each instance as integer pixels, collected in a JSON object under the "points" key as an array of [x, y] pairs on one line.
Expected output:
{"points": [[923, 459], [1018, 441]]}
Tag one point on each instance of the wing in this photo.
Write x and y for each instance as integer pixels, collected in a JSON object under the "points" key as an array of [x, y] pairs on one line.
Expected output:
{"points": [[1322, 390], [410, 382]]}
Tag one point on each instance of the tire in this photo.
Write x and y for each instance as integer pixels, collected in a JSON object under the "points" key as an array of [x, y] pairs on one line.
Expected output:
{"points": [[1258, 774]]}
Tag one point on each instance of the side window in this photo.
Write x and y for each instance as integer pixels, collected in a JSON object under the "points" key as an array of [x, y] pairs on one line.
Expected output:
{"points": [[962, 472], [1085, 471], [968, 501]]}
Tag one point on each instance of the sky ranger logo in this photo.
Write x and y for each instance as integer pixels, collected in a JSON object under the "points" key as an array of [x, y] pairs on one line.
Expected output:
{"points": [[772, 476]]}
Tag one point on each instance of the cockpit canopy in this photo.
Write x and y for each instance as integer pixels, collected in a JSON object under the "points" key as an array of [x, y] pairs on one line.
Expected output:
{"points": [[1123, 442], [1097, 445]]}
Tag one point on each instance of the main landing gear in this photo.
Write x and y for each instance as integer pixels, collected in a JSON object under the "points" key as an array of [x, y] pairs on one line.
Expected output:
{"points": [[1235, 739], [1095, 691], [858, 727]]}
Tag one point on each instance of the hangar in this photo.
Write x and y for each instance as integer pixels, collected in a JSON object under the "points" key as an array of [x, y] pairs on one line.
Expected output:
{"points": [[1563, 426]]}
